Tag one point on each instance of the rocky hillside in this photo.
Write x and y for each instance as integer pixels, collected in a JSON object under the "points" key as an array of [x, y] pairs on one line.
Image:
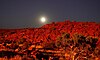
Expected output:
{"points": [[76, 39]]}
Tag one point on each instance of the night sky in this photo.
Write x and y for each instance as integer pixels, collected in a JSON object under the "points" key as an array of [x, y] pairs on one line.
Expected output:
{"points": [[27, 13]]}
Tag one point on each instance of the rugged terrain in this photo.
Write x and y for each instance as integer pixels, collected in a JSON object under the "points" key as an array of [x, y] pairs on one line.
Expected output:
{"points": [[56, 41]]}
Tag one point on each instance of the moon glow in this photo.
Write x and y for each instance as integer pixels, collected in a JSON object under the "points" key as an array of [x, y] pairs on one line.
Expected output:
{"points": [[43, 19]]}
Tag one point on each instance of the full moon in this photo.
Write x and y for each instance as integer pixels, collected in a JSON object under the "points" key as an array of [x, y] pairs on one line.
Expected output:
{"points": [[43, 19]]}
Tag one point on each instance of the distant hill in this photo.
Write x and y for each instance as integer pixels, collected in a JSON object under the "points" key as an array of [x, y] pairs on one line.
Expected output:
{"points": [[55, 29]]}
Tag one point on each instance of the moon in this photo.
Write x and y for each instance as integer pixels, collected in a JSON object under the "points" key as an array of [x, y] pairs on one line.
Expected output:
{"points": [[43, 19]]}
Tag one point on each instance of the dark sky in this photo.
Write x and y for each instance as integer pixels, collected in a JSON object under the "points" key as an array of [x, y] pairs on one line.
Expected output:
{"points": [[26, 13]]}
